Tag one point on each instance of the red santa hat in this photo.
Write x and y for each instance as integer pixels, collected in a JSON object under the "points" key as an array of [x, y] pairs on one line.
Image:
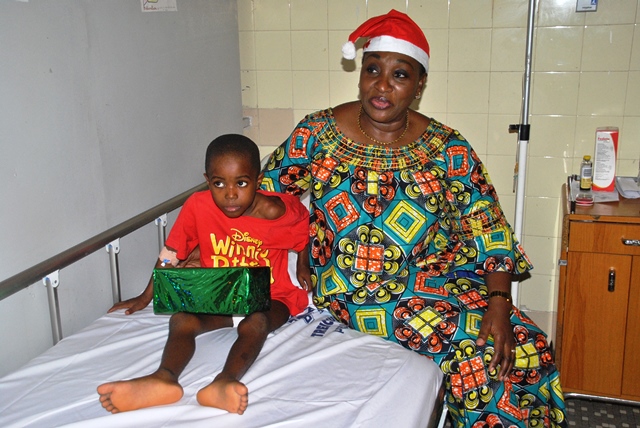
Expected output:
{"points": [[393, 32]]}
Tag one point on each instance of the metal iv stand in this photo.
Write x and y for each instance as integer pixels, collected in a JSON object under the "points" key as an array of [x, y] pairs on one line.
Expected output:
{"points": [[523, 130]]}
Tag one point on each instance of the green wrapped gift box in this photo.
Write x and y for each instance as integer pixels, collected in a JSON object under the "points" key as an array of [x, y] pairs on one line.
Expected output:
{"points": [[221, 291]]}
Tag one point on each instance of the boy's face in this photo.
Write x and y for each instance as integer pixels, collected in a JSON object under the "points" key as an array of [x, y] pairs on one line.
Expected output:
{"points": [[233, 184]]}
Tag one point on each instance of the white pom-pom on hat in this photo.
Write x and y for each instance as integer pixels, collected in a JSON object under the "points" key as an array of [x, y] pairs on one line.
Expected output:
{"points": [[349, 50], [393, 32]]}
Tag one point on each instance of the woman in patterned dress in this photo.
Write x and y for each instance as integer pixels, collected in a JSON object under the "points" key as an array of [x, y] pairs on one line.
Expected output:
{"points": [[409, 242]]}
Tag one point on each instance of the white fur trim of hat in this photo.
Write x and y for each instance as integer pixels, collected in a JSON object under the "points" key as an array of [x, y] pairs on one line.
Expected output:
{"points": [[393, 32]]}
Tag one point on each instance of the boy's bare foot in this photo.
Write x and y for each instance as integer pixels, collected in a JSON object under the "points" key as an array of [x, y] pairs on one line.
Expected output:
{"points": [[146, 391], [225, 394]]}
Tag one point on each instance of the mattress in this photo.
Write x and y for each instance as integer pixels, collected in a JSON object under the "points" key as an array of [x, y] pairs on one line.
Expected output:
{"points": [[311, 372]]}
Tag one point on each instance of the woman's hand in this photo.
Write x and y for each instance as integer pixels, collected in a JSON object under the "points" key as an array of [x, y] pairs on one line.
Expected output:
{"points": [[496, 322]]}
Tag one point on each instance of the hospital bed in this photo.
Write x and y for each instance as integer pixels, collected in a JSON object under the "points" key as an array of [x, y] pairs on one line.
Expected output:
{"points": [[313, 371]]}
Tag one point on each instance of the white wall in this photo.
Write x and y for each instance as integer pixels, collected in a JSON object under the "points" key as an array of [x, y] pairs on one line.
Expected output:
{"points": [[105, 111]]}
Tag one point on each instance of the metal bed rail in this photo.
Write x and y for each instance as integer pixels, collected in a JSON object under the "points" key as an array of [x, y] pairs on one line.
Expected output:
{"points": [[47, 271]]}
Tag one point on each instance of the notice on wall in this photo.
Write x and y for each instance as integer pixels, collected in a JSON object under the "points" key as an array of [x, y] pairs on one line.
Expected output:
{"points": [[159, 5], [586, 5]]}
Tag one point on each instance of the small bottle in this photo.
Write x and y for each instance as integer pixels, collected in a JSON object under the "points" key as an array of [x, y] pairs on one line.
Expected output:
{"points": [[586, 173]]}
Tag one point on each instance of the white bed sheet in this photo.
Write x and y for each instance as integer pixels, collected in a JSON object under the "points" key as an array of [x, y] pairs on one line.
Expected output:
{"points": [[311, 372]]}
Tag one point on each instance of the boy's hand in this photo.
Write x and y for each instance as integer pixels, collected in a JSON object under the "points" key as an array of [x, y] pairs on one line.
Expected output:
{"points": [[133, 305], [304, 278], [142, 301], [192, 260], [303, 271], [136, 303]]}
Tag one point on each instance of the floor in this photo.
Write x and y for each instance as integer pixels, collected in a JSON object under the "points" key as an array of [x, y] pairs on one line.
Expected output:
{"points": [[593, 414]]}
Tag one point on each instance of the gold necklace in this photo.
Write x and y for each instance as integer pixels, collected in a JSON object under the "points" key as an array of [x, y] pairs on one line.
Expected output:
{"points": [[384, 143]]}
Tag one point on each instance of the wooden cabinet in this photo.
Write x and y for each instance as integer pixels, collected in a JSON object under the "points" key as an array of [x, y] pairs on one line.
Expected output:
{"points": [[598, 330]]}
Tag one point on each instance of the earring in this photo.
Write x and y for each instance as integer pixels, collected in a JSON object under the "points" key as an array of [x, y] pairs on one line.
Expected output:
{"points": [[418, 96]]}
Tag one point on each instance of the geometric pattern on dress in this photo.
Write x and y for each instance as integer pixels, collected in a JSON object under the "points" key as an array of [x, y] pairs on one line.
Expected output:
{"points": [[300, 138], [369, 258], [372, 321], [324, 169], [522, 260], [424, 322], [459, 161], [372, 183], [555, 384], [331, 282], [497, 240], [472, 324], [472, 299], [342, 211], [421, 285], [471, 376], [267, 184], [526, 412], [373, 286], [405, 221], [505, 404], [527, 357], [483, 217], [376, 293], [426, 182]]}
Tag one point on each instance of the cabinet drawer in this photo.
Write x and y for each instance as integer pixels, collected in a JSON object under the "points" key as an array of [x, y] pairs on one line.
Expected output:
{"points": [[604, 238]]}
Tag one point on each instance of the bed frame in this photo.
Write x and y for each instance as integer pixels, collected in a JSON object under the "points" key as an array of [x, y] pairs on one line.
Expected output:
{"points": [[312, 371]]}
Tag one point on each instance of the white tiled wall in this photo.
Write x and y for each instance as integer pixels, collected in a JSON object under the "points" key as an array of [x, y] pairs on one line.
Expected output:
{"points": [[586, 74]]}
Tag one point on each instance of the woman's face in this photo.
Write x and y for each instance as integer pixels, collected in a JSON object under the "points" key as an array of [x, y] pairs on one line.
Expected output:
{"points": [[389, 83]]}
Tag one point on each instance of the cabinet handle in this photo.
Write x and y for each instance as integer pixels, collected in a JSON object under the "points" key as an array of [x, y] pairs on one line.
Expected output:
{"points": [[631, 242], [612, 280]]}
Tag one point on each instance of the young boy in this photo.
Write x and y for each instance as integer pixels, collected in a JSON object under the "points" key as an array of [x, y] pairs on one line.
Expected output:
{"points": [[233, 213]]}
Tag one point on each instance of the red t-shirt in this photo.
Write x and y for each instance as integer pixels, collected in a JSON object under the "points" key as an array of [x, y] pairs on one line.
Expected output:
{"points": [[245, 241]]}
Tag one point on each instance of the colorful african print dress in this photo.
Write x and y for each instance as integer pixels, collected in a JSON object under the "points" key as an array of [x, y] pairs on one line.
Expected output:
{"points": [[400, 241]]}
